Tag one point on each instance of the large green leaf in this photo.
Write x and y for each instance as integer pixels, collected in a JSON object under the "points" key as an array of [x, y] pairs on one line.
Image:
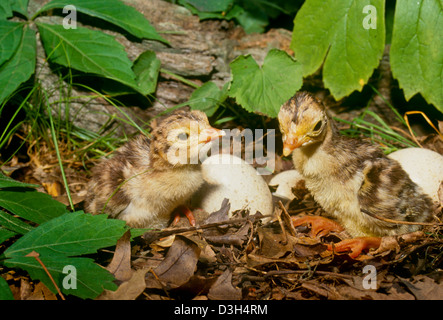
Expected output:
{"points": [[417, 49], [74, 233], [264, 89], [30, 204], [90, 278], [334, 33], [88, 51], [20, 66], [58, 241], [112, 11]]}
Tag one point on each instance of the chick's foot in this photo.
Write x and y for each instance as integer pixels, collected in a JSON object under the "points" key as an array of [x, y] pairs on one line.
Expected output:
{"points": [[355, 245], [319, 226], [187, 212]]}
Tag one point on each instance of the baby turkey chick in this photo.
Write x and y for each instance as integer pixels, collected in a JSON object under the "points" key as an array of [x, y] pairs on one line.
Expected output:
{"points": [[147, 178], [349, 178]]}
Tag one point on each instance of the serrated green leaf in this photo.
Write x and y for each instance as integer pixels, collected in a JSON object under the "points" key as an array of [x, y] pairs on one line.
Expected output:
{"points": [[6, 182], [91, 279], [30, 204], [20, 66], [208, 97], [5, 292], [146, 69], [14, 224], [264, 89], [416, 53], [112, 11], [340, 35], [88, 51], [71, 234]]}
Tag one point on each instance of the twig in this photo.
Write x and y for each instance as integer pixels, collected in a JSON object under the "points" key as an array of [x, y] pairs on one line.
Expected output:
{"points": [[36, 255], [400, 222], [153, 235]]}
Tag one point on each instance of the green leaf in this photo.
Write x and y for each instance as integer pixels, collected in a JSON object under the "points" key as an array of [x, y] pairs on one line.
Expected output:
{"points": [[112, 11], [87, 51], [5, 292], [30, 204], [71, 234], [5, 234], [14, 224], [339, 34], [20, 66], [208, 97], [5, 10], [61, 238], [264, 89], [6, 182], [146, 69], [417, 49], [90, 278], [209, 6], [20, 6]]}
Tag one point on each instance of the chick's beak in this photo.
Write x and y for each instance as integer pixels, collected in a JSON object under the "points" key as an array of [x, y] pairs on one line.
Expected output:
{"points": [[291, 143], [209, 134]]}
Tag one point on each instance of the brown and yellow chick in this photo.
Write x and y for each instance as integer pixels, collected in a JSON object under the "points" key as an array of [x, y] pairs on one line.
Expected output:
{"points": [[350, 178], [147, 178]]}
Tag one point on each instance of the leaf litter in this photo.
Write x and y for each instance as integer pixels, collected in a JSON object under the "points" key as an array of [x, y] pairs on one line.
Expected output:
{"points": [[243, 258]]}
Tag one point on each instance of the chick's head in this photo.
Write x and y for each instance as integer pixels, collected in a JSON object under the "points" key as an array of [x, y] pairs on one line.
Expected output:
{"points": [[302, 121], [180, 137]]}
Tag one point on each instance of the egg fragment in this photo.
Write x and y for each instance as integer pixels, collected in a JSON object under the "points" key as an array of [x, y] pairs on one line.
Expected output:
{"points": [[285, 181], [424, 166], [228, 176]]}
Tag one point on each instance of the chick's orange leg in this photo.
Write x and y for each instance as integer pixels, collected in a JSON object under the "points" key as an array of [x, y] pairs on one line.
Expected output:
{"points": [[356, 245], [319, 226], [186, 211]]}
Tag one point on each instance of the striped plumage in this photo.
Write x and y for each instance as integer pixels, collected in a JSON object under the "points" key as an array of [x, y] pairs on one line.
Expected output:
{"points": [[347, 176], [140, 184]]}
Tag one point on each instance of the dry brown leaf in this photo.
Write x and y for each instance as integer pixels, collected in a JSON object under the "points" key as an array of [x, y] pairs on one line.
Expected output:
{"points": [[424, 288], [128, 290], [120, 265], [223, 289], [178, 266]]}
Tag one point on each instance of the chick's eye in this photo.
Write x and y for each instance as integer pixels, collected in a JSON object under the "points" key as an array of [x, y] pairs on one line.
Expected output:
{"points": [[318, 126], [182, 136]]}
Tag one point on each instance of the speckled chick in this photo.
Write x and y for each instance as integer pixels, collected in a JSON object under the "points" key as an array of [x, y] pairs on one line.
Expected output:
{"points": [[347, 176], [147, 178]]}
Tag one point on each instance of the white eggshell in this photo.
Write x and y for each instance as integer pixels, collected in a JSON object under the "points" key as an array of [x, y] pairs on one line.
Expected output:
{"points": [[230, 177], [285, 181], [424, 166]]}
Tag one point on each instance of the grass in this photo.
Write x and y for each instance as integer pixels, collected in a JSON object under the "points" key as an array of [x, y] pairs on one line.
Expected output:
{"points": [[378, 131]]}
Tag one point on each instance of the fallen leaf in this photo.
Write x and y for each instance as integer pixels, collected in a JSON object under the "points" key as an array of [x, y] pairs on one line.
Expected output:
{"points": [[178, 266], [223, 289], [128, 290], [120, 265], [424, 288]]}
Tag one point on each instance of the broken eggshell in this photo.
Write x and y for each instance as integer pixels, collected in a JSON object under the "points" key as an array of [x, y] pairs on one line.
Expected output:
{"points": [[424, 166], [285, 181], [228, 176]]}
